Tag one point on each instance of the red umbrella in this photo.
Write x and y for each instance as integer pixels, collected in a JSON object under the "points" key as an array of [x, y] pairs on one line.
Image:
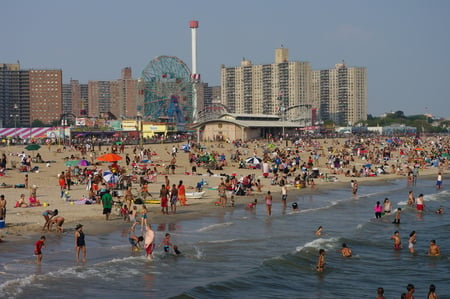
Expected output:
{"points": [[109, 157]]}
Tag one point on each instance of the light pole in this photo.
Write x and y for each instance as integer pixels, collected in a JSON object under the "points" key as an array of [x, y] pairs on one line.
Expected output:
{"points": [[139, 128]]}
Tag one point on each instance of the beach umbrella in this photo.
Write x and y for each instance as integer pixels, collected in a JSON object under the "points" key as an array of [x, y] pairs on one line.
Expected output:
{"points": [[119, 142], [109, 157], [83, 162], [418, 149], [71, 163], [32, 147], [110, 177], [253, 160]]}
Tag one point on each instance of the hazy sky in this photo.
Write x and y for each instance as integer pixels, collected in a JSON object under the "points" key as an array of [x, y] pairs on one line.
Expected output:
{"points": [[405, 44]]}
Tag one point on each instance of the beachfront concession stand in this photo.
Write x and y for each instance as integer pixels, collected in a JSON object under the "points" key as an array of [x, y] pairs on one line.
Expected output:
{"points": [[243, 126]]}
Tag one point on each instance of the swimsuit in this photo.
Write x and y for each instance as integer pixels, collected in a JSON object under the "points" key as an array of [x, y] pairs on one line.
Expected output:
{"points": [[80, 239], [410, 245], [166, 248]]}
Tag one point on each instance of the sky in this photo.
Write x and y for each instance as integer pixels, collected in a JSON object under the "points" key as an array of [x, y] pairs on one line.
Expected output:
{"points": [[404, 44]]}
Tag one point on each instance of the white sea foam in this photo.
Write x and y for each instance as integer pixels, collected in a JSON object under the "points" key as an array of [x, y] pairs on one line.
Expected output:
{"points": [[320, 243], [215, 226]]}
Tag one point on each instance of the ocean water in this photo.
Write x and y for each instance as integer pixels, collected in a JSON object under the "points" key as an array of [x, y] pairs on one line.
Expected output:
{"points": [[236, 253]]}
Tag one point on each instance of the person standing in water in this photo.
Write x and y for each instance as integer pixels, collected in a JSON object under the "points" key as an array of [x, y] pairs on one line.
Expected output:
{"points": [[397, 240], [345, 251], [378, 209], [412, 241], [321, 260], [80, 243], [269, 203], [38, 249], [149, 242]]}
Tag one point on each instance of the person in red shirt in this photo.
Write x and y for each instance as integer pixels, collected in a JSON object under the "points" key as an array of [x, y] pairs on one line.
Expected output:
{"points": [[38, 249]]}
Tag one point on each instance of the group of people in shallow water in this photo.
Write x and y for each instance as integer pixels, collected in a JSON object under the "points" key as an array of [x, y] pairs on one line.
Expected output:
{"points": [[410, 289]]}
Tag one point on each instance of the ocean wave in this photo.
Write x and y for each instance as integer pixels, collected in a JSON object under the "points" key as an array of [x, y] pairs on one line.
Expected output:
{"points": [[326, 243], [215, 226]]}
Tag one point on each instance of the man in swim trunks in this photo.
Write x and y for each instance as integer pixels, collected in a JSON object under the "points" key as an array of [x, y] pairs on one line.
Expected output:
{"points": [[419, 203], [433, 249], [397, 240], [149, 240]]}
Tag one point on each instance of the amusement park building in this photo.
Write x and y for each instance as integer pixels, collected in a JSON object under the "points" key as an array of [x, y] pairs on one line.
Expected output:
{"points": [[234, 126]]}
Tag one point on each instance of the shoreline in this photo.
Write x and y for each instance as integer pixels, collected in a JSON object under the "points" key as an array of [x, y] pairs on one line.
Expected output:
{"points": [[25, 223]]}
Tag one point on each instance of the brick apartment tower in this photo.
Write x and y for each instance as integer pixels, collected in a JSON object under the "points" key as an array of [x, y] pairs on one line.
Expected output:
{"points": [[45, 95]]}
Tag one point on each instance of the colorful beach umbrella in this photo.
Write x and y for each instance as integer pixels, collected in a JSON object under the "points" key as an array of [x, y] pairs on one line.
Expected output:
{"points": [[109, 157], [32, 147], [71, 163], [253, 160], [83, 162]]}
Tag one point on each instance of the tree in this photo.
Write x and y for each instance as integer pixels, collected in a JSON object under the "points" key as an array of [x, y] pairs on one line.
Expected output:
{"points": [[38, 123]]}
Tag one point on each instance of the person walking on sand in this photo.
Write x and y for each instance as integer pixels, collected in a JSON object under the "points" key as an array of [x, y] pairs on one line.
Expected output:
{"points": [[80, 243], [269, 203], [2, 207], [321, 260], [62, 183], [397, 240], [149, 242], [182, 193], [38, 249], [107, 202], [173, 199], [163, 195]]}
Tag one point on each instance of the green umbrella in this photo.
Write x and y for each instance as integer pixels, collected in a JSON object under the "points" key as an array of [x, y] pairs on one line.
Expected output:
{"points": [[32, 147], [71, 163], [119, 142]]}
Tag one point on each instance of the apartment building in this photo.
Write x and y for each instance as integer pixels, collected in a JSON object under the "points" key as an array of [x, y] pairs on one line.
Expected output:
{"points": [[282, 88], [341, 93], [294, 91]]}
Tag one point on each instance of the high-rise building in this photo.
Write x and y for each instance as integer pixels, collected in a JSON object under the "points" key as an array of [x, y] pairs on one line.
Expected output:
{"points": [[119, 97], [283, 88], [45, 95], [341, 93], [14, 96], [75, 98], [295, 92], [28, 95]]}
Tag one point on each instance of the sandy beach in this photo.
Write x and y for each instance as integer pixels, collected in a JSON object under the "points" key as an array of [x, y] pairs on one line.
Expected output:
{"points": [[25, 222]]}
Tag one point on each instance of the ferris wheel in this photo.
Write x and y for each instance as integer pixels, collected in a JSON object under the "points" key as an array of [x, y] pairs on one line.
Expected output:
{"points": [[167, 90]]}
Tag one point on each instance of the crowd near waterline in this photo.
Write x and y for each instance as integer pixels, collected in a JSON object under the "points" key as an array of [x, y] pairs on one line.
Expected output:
{"points": [[289, 174]]}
